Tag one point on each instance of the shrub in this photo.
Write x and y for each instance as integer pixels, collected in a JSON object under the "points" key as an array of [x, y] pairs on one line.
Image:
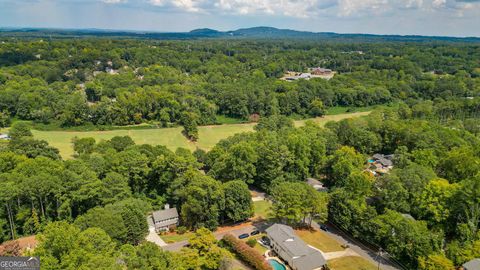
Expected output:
{"points": [[246, 253], [251, 242], [181, 230], [10, 248]]}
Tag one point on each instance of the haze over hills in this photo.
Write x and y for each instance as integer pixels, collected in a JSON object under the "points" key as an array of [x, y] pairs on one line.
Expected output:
{"points": [[253, 32]]}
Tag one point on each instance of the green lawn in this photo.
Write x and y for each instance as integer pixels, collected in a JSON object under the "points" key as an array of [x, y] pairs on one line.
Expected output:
{"points": [[172, 238], [222, 119], [321, 121], [350, 263], [262, 208], [170, 137], [320, 240], [261, 249]]}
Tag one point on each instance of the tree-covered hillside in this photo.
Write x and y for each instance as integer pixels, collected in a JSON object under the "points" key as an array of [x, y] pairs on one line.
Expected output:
{"points": [[105, 82]]}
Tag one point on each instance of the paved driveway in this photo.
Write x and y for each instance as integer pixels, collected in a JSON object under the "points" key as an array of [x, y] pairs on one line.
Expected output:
{"points": [[234, 230], [152, 235]]}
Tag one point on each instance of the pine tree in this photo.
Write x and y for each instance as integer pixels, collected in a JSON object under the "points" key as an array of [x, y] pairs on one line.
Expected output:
{"points": [[135, 223], [35, 221]]}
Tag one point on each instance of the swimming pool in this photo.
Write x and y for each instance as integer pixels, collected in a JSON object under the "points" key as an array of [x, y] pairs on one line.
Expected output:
{"points": [[276, 265]]}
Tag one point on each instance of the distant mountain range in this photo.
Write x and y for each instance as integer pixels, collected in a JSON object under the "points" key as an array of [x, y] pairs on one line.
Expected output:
{"points": [[260, 32]]}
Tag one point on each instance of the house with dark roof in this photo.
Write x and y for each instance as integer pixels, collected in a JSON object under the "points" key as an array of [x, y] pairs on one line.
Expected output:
{"points": [[165, 219], [472, 265], [380, 163], [293, 250]]}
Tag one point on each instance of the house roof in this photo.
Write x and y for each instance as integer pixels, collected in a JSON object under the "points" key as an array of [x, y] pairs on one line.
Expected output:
{"points": [[308, 258], [408, 216], [165, 214], [314, 260], [472, 265], [321, 69], [316, 184], [384, 160]]}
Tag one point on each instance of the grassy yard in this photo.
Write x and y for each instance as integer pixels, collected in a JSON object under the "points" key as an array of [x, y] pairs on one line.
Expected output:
{"points": [[351, 263], [320, 240], [170, 137], [262, 208], [261, 249], [172, 238], [222, 119]]}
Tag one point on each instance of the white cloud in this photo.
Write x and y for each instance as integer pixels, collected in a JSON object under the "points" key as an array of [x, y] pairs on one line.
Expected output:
{"points": [[114, 1], [300, 8], [439, 3], [354, 7], [311, 8], [157, 2], [188, 5]]}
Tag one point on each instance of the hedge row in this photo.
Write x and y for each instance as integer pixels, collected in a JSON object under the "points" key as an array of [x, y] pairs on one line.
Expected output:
{"points": [[246, 253]]}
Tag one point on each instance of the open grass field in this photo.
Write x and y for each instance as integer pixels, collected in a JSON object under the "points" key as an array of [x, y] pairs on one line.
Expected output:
{"points": [[320, 240], [262, 209], [170, 137], [350, 263]]}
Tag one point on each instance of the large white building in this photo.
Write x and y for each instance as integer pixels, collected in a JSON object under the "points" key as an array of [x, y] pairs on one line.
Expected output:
{"points": [[293, 250]]}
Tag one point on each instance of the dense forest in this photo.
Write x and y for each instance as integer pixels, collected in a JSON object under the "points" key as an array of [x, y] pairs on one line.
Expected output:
{"points": [[89, 211], [102, 82]]}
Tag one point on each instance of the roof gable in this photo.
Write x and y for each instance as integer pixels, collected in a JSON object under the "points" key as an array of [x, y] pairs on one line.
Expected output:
{"points": [[165, 214]]}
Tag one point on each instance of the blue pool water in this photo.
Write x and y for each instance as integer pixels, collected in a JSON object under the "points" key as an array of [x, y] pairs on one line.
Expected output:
{"points": [[276, 265], [371, 161]]}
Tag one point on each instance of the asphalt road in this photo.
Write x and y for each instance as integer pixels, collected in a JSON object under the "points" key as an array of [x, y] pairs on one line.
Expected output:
{"points": [[355, 245]]}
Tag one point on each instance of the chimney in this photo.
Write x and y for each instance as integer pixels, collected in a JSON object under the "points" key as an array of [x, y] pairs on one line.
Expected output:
{"points": [[167, 206]]}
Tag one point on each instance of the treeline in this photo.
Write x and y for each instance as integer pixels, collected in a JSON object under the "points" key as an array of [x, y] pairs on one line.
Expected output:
{"points": [[65, 83]]}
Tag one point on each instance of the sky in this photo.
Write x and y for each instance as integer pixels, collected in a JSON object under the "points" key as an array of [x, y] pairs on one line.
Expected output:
{"points": [[405, 17]]}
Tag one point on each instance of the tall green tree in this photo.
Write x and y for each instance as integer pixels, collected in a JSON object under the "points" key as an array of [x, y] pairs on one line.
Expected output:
{"points": [[238, 201]]}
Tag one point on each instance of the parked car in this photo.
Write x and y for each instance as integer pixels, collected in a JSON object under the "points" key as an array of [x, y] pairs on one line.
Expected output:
{"points": [[324, 227], [255, 232], [243, 236], [265, 241]]}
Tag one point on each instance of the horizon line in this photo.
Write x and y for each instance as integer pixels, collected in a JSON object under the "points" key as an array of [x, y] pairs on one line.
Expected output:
{"points": [[138, 31]]}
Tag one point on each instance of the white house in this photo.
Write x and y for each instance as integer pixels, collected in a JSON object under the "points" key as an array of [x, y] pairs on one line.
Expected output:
{"points": [[165, 219], [293, 250]]}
